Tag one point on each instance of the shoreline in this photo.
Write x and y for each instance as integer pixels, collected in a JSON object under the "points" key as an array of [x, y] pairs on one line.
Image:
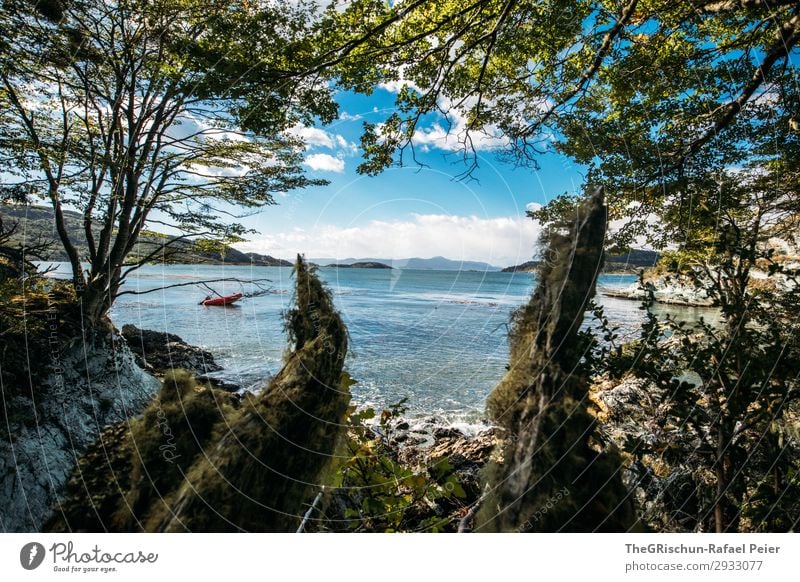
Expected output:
{"points": [[158, 353]]}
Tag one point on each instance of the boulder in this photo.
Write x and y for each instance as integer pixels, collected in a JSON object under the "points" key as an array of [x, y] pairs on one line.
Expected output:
{"points": [[162, 352], [51, 424]]}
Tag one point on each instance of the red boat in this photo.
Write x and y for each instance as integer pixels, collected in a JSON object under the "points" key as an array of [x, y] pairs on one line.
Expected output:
{"points": [[227, 300]]}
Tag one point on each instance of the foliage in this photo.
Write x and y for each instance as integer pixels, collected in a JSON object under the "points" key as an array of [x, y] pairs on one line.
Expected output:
{"points": [[375, 492], [665, 102], [598, 76], [725, 459], [147, 112]]}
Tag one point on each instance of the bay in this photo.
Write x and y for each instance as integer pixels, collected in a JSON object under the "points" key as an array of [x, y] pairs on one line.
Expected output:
{"points": [[437, 338]]}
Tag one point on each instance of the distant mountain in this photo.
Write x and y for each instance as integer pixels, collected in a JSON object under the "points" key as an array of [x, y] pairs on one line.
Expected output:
{"points": [[627, 262], [432, 264], [266, 260], [443, 264], [36, 223], [359, 265]]}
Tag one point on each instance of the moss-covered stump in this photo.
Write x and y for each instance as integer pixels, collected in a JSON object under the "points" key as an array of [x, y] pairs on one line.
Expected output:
{"points": [[198, 460], [554, 478]]}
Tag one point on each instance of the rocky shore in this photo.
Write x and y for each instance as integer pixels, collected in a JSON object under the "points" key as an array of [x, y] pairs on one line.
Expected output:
{"points": [[87, 387], [158, 353], [668, 289]]}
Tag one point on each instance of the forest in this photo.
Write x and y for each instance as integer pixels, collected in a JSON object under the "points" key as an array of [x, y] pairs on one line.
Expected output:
{"points": [[135, 118]]}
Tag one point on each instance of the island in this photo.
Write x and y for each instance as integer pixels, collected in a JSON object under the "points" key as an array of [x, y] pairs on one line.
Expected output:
{"points": [[630, 262], [364, 265]]}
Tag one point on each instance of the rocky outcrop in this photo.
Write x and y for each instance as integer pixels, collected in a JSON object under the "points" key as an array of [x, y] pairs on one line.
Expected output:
{"points": [[50, 425], [553, 477], [668, 289], [161, 352], [201, 460]]}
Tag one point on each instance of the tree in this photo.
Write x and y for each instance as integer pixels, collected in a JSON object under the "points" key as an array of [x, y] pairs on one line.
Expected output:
{"points": [[686, 112], [594, 77], [140, 113]]}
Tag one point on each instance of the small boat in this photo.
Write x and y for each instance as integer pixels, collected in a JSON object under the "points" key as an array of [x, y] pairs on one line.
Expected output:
{"points": [[227, 300]]}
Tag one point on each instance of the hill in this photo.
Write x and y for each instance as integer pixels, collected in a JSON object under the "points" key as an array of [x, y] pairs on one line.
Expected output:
{"points": [[359, 265], [432, 264], [36, 223], [615, 263]]}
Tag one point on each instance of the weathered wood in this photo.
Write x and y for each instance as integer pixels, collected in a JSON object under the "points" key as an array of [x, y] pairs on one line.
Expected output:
{"points": [[551, 478]]}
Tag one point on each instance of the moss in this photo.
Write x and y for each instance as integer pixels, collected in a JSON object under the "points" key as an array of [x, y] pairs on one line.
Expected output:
{"points": [[38, 317], [277, 451], [552, 478], [97, 485], [197, 460]]}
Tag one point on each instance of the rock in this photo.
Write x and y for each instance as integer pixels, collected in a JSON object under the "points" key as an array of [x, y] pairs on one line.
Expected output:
{"points": [[219, 383], [465, 453], [447, 433], [162, 352], [401, 438], [668, 289], [95, 384], [461, 451]]}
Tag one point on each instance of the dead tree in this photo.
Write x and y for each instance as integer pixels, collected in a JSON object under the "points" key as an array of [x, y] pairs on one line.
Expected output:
{"points": [[551, 476], [224, 465]]}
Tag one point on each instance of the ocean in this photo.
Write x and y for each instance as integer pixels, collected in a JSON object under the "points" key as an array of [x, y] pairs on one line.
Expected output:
{"points": [[437, 338]]}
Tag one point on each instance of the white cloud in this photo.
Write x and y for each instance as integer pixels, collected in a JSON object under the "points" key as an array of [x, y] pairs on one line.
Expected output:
{"points": [[345, 116], [325, 163], [498, 241], [397, 86], [450, 134], [533, 206], [313, 136], [436, 136]]}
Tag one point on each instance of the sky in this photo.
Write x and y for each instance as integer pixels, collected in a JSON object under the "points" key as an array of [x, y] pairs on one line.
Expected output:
{"points": [[411, 211]]}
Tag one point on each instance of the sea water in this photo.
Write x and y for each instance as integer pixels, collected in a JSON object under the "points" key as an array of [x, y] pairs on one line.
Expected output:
{"points": [[436, 338]]}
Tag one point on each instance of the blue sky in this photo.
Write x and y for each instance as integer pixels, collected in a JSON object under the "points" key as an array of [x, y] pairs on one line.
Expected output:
{"points": [[411, 211]]}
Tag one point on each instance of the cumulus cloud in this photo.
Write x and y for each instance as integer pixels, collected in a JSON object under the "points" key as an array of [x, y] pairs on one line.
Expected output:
{"points": [[451, 133], [324, 163], [395, 86], [315, 137], [437, 136], [497, 241]]}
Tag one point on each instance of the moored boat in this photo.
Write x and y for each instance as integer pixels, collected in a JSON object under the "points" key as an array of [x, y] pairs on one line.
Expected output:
{"points": [[226, 300]]}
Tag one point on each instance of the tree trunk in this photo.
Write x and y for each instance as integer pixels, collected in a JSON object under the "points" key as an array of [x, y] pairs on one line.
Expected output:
{"points": [[97, 298], [551, 478]]}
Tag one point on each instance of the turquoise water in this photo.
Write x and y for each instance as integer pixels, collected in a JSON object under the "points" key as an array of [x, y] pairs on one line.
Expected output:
{"points": [[437, 338]]}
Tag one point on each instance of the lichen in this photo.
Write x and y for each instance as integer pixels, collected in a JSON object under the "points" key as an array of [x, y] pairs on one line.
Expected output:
{"points": [[553, 477], [197, 461]]}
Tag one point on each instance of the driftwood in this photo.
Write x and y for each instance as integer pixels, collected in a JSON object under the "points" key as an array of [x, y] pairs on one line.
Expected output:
{"points": [[551, 477]]}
